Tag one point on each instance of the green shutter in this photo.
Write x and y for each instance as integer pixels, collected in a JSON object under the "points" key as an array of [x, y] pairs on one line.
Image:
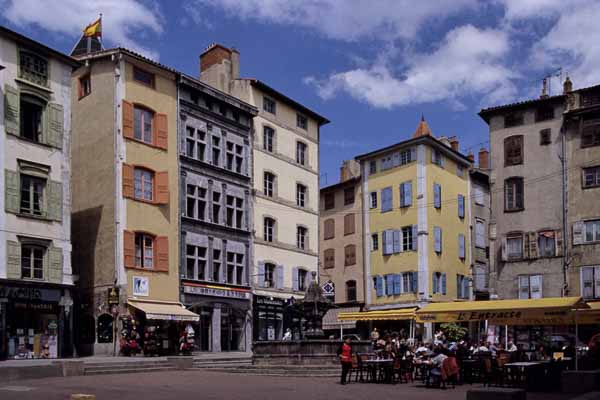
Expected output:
{"points": [[54, 190], [11, 110], [55, 266], [13, 260], [11, 192], [54, 133]]}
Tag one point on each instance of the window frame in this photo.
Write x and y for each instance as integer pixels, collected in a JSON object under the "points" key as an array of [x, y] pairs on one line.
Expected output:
{"points": [[349, 199], [301, 195], [595, 170], [373, 200], [329, 257], [514, 119], [520, 255], [269, 105], [302, 121], [268, 139], [595, 224], [32, 247], [480, 236], [269, 229], [270, 275], [144, 236], [374, 241], [35, 77], [269, 184], [518, 186], [301, 153], [84, 90], [197, 259], [197, 139], [329, 201], [351, 287], [33, 101], [42, 201], [595, 281], [349, 255], [591, 126], [136, 77], [542, 250], [545, 137], [511, 144], [143, 110], [301, 237], [143, 182]]}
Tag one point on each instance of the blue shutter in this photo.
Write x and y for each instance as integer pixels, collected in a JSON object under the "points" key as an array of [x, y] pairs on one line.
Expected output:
{"points": [[295, 284], [437, 237], [413, 281], [408, 194], [261, 274], [442, 162], [459, 287], [461, 206], [396, 159], [397, 283], [461, 246], [402, 195], [389, 244], [279, 277], [435, 282], [386, 199], [379, 285], [437, 196], [397, 241], [443, 283], [413, 154], [466, 287], [389, 284], [415, 238]]}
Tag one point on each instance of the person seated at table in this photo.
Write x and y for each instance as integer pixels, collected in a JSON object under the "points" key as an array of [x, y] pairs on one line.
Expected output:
{"points": [[540, 354], [422, 349], [436, 361], [388, 352], [493, 348], [482, 348], [511, 347]]}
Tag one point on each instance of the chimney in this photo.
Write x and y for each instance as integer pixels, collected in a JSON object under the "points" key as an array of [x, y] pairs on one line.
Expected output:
{"points": [[444, 140], [235, 63], [471, 156], [484, 159], [454, 143], [349, 169], [219, 65], [544, 94], [567, 86]]}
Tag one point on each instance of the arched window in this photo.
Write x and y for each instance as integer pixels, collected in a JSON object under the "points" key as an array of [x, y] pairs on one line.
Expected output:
{"points": [[350, 290], [105, 328], [513, 150], [350, 255]]}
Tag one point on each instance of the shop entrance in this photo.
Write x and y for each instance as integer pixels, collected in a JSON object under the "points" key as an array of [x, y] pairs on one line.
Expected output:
{"points": [[232, 330], [32, 330]]}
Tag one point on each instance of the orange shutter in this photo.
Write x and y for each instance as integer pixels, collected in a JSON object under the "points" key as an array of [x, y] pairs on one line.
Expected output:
{"points": [[162, 187], [127, 119], [129, 249], [127, 181], [161, 244], [161, 131]]}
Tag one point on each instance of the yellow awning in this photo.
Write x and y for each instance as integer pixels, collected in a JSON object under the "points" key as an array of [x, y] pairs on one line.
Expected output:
{"points": [[590, 315], [399, 314], [331, 320], [548, 311], [162, 310]]}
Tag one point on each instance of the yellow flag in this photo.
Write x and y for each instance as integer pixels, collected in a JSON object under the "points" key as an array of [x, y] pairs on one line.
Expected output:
{"points": [[94, 29]]}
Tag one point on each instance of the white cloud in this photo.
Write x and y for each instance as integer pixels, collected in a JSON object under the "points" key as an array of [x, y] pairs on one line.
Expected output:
{"points": [[121, 19], [344, 19], [468, 62], [522, 9]]}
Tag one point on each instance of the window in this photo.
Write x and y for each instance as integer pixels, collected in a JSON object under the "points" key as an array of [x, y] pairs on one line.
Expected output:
{"points": [[142, 124], [32, 195], [270, 275], [387, 162], [478, 196], [85, 85], [513, 150], [460, 171], [235, 212], [546, 244], [386, 199], [373, 200], [514, 247], [590, 98], [268, 184], [513, 194], [269, 229], [372, 167], [591, 177], [143, 184], [32, 261], [461, 206], [545, 136], [590, 282], [302, 279], [479, 234], [437, 158], [405, 156], [195, 144], [33, 68], [301, 121], [530, 286], [437, 195], [195, 262], [229, 155], [216, 150], [407, 238], [216, 208], [301, 237], [439, 283], [300, 195], [350, 255], [301, 153], [329, 201], [32, 118], [406, 194], [144, 77], [511, 120], [351, 291], [462, 287], [329, 229], [235, 268], [437, 239], [144, 250], [374, 242], [461, 247], [592, 230], [590, 132], [349, 196], [349, 224], [216, 265], [268, 138], [544, 114], [269, 105], [329, 256], [239, 158]]}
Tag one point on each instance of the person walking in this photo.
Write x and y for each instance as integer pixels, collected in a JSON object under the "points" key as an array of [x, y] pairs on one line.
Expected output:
{"points": [[344, 352]]}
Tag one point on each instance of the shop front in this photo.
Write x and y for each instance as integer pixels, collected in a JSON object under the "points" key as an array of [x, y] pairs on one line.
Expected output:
{"points": [[268, 318], [34, 321], [224, 322]]}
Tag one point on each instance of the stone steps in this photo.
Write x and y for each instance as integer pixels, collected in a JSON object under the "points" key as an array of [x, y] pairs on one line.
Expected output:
{"points": [[125, 367], [131, 370]]}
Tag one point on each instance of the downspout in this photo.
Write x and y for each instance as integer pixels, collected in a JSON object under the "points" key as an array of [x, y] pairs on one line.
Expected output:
{"points": [[563, 159]]}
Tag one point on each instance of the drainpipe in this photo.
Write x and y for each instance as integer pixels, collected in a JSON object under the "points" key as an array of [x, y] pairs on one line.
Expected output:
{"points": [[563, 160]]}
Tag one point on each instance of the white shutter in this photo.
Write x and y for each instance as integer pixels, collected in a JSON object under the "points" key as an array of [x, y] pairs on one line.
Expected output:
{"points": [[523, 287], [597, 282], [587, 282], [578, 232], [535, 282]]}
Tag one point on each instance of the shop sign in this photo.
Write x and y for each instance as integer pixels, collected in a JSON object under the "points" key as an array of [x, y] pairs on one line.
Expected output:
{"points": [[329, 289], [29, 293], [141, 286], [50, 308], [113, 296], [217, 292], [267, 301]]}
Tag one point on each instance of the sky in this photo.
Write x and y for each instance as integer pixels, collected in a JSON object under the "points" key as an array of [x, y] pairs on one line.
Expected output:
{"points": [[372, 67]]}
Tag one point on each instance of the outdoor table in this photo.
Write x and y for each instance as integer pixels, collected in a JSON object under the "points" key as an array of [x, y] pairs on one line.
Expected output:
{"points": [[467, 366], [524, 373], [380, 370], [424, 368]]}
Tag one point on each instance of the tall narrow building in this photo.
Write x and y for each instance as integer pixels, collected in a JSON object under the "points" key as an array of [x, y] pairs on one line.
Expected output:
{"points": [[285, 191]]}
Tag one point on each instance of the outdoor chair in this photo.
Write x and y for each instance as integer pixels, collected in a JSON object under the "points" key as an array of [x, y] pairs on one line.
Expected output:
{"points": [[354, 369], [406, 370], [449, 374]]}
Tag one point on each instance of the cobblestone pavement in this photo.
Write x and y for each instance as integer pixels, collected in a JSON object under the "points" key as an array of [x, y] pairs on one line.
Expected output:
{"points": [[212, 385]]}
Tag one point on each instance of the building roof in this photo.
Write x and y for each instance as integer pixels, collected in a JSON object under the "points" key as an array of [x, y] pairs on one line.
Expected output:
{"points": [[132, 54], [275, 93], [422, 128], [17, 37], [338, 185]]}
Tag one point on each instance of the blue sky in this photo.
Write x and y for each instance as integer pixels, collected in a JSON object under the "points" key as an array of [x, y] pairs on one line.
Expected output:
{"points": [[370, 66]]}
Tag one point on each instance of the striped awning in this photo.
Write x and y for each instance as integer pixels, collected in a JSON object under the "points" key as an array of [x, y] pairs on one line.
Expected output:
{"points": [[331, 320], [162, 310], [398, 314]]}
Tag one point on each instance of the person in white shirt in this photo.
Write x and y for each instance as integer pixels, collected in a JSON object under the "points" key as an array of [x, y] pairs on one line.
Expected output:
{"points": [[511, 347]]}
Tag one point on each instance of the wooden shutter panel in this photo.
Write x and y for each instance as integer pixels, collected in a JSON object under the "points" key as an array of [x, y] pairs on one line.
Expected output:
{"points": [[13, 260], [11, 191], [127, 181], [397, 283], [162, 187], [295, 283], [397, 241], [587, 282], [388, 242], [129, 249], [55, 125], [55, 200], [128, 113], [443, 283], [55, 271], [161, 243], [578, 232], [402, 195], [261, 274], [389, 284], [379, 285], [558, 242], [348, 224], [533, 245], [413, 154], [11, 110], [279, 277], [161, 130], [523, 287]]}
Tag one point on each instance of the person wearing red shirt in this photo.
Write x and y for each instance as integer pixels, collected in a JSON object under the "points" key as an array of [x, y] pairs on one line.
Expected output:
{"points": [[345, 354]]}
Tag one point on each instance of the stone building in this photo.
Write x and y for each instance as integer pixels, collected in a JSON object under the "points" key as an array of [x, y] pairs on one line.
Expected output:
{"points": [[215, 158], [36, 280], [480, 219], [285, 191]]}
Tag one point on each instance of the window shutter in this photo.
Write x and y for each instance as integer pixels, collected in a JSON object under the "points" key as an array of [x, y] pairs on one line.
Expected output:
{"points": [[437, 237], [127, 110], [526, 245], [55, 199], [402, 197], [397, 241], [415, 238], [11, 111], [161, 130], [307, 279], [386, 199], [379, 285], [461, 206], [396, 159], [578, 232], [414, 282], [261, 274], [558, 235], [458, 287], [443, 283], [465, 282], [461, 246], [406, 195], [597, 282], [295, 284], [442, 161], [349, 224], [127, 181], [161, 244], [397, 283], [523, 287], [435, 282], [55, 271], [162, 187], [11, 191], [129, 249], [13, 260], [389, 241], [413, 154], [55, 127], [504, 250], [587, 282], [533, 246], [536, 286], [389, 284], [437, 196], [279, 277]]}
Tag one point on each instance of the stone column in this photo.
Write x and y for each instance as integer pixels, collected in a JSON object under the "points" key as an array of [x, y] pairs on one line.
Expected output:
{"points": [[216, 328]]}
